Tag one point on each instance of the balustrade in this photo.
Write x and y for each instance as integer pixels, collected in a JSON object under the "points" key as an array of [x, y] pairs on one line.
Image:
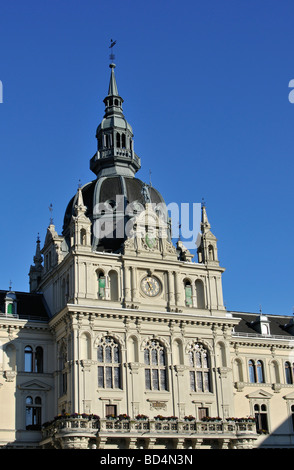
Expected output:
{"points": [[97, 426]]}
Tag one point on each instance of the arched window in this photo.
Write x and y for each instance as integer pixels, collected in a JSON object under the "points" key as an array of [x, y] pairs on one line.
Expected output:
{"points": [[28, 366], [256, 372], [38, 364], [83, 237], [33, 359], [260, 374], [155, 366], [123, 141], [33, 413], [260, 412], [288, 373], [199, 369], [292, 415], [200, 294], [210, 253], [10, 309], [109, 363], [188, 294], [117, 139], [251, 367], [101, 284], [113, 281]]}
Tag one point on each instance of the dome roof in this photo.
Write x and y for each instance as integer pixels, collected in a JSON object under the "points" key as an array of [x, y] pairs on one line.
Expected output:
{"points": [[114, 121], [106, 190]]}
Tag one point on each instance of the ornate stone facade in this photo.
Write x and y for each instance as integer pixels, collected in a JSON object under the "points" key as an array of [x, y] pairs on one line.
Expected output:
{"points": [[124, 340]]}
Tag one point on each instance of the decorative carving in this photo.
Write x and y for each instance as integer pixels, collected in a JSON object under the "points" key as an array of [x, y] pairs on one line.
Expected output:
{"points": [[9, 375], [158, 405]]}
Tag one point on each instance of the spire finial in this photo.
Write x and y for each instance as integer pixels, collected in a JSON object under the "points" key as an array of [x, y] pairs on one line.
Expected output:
{"points": [[51, 210], [10, 285], [112, 56]]}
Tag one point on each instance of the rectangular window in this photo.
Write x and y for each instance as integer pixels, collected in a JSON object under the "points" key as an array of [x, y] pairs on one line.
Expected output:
{"points": [[108, 377], [146, 357], [154, 357], [147, 379], [115, 355], [116, 373], [155, 381], [192, 381], [206, 382], [64, 382], [163, 384], [108, 354], [110, 410], [199, 380], [100, 354], [261, 422], [202, 413], [198, 360], [101, 377]]}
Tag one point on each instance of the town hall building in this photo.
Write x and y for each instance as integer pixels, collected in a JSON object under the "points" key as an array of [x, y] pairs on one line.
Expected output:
{"points": [[124, 342]]}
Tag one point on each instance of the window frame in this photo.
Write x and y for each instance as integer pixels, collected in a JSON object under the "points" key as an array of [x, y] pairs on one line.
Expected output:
{"points": [[155, 366], [199, 369], [33, 413], [109, 364]]}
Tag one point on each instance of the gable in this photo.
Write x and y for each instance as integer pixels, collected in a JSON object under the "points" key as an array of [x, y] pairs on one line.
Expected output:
{"points": [[259, 394], [35, 385]]}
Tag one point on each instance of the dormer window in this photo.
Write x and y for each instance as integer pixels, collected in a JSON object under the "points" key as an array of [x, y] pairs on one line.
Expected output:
{"points": [[10, 309], [261, 325], [10, 303]]}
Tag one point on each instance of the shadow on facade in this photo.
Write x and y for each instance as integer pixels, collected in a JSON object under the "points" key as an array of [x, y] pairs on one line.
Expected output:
{"points": [[281, 437]]}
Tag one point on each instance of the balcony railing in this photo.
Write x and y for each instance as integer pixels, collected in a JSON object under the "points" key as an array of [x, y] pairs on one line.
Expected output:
{"points": [[173, 427]]}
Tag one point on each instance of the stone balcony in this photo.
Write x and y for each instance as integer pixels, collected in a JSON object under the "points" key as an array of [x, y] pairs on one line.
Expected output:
{"points": [[86, 433]]}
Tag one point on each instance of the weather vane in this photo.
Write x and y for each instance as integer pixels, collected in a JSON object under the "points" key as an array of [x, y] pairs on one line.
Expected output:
{"points": [[112, 44]]}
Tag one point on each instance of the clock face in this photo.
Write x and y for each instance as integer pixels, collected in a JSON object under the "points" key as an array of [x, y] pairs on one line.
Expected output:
{"points": [[150, 286]]}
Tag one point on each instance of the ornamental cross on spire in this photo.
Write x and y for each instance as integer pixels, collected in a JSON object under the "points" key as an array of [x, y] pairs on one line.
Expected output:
{"points": [[112, 44]]}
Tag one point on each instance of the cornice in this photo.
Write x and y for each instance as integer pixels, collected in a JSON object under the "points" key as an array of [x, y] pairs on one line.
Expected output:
{"points": [[145, 315], [287, 343], [20, 323]]}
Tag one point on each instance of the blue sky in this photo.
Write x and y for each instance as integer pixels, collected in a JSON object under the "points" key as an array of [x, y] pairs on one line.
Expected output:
{"points": [[205, 85]]}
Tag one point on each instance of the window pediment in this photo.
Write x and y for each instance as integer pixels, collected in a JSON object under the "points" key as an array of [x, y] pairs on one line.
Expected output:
{"points": [[35, 385], [290, 396], [259, 394]]}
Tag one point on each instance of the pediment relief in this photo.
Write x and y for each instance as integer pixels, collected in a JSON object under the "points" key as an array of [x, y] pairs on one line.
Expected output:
{"points": [[261, 394], [35, 385]]}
